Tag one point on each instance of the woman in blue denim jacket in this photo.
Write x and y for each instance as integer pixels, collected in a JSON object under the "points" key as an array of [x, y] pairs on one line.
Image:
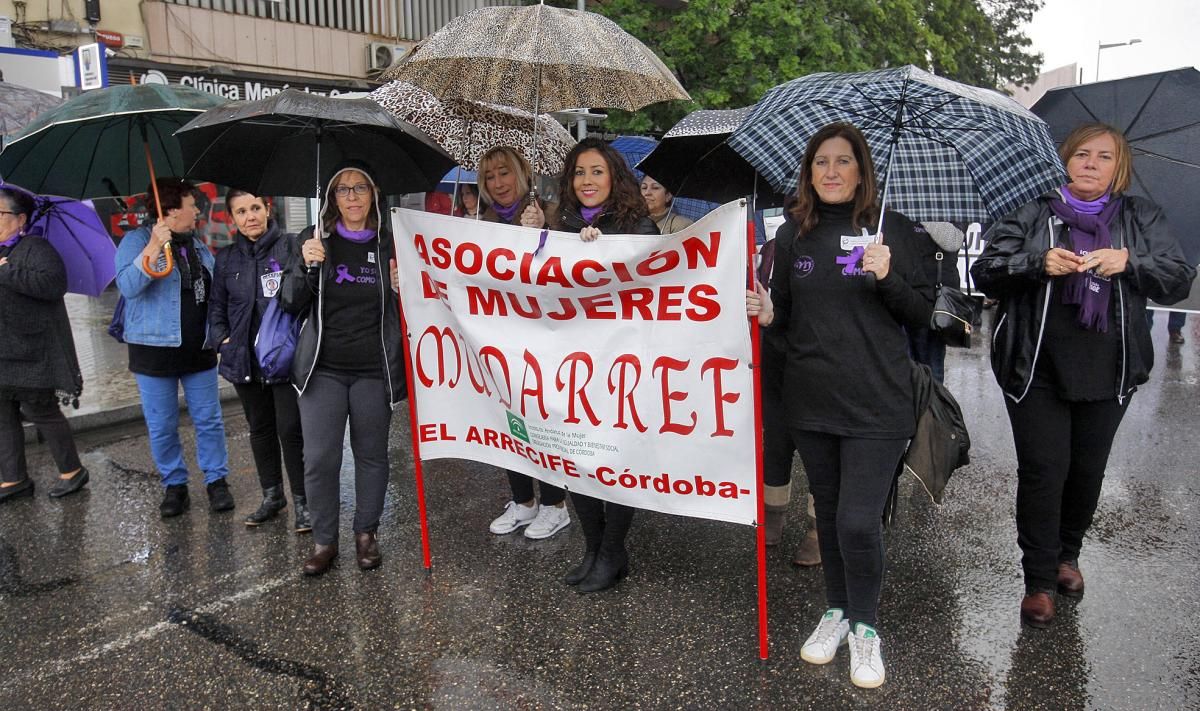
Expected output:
{"points": [[166, 313]]}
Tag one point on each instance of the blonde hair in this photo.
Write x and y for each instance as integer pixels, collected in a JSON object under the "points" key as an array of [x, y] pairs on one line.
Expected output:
{"points": [[503, 156], [1123, 172]]}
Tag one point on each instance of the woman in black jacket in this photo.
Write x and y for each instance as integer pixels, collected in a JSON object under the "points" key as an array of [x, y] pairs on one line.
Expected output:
{"points": [[38, 367], [597, 194], [1073, 270], [841, 297], [349, 360], [246, 278]]}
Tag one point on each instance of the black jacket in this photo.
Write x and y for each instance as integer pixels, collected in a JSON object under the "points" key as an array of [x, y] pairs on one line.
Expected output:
{"points": [[569, 220], [37, 351], [237, 292], [303, 294], [1012, 269]]}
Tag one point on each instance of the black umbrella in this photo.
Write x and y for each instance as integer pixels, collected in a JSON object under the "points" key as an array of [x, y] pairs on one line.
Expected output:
{"points": [[284, 144], [694, 160], [1160, 117]]}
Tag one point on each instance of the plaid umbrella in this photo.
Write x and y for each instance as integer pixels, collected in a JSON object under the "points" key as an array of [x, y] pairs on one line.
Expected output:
{"points": [[20, 105], [539, 58], [633, 149], [943, 151], [467, 129], [694, 160]]}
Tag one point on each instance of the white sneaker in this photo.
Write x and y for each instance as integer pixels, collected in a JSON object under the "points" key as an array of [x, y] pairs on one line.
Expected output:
{"points": [[550, 520], [830, 634], [866, 659], [514, 516]]}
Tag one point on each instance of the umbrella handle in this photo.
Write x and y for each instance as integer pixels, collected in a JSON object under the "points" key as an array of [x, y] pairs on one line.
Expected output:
{"points": [[158, 208], [146, 267]]}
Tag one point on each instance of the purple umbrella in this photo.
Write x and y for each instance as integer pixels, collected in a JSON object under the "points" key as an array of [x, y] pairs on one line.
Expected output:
{"points": [[75, 230]]}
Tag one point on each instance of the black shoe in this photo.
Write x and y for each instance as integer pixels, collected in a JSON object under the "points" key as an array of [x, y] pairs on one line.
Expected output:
{"points": [[607, 570], [62, 487], [303, 521], [576, 575], [1177, 338], [272, 503], [219, 498], [175, 501], [25, 488]]}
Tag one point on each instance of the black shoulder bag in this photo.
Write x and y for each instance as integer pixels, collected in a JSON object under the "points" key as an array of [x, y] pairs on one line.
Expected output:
{"points": [[955, 314]]}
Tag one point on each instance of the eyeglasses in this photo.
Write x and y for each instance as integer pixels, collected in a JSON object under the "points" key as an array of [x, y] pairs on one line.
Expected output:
{"points": [[344, 190], [9, 212]]}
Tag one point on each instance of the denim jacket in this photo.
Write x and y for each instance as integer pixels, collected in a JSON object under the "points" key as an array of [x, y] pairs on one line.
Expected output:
{"points": [[151, 305]]}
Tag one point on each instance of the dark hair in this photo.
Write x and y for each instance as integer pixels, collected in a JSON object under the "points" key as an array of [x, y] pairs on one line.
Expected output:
{"points": [[866, 207], [1123, 168], [22, 202], [625, 202], [234, 193], [329, 212], [171, 192]]}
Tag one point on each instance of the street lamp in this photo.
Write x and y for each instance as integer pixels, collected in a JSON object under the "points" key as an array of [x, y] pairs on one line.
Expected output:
{"points": [[1102, 46]]}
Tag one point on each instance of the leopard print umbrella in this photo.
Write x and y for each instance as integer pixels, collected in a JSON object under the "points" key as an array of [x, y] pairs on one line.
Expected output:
{"points": [[466, 129], [540, 59]]}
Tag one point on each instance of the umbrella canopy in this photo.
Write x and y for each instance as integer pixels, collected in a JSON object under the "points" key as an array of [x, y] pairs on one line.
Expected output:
{"points": [[286, 144], [635, 148], [694, 160], [1159, 114], [539, 58], [19, 105], [76, 232], [95, 144], [467, 129], [943, 151], [458, 176]]}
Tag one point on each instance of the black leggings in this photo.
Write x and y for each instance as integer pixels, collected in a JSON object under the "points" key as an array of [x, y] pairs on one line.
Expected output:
{"points": [[522, 489], [777, 439], [274, 420], [50, 422], [850, 479], [1062, 451]]}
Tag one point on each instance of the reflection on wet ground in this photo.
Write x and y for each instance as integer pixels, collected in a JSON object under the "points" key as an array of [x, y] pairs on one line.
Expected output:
{"points": [[103, 605]]}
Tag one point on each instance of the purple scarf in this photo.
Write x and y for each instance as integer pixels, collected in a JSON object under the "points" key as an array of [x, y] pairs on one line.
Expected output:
{"points": [[12, 240], [589, 214], [507, 212], [356, 236], [1088, 231]]}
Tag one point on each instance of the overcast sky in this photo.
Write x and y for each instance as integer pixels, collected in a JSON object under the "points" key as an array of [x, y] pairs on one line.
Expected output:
{"points": [[1067, 31]]}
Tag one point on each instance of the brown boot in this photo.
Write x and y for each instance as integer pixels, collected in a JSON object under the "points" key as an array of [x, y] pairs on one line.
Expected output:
{"points": [[321, 559], [808, 554], [1070, 580], [1037, 609], [773, 522]]}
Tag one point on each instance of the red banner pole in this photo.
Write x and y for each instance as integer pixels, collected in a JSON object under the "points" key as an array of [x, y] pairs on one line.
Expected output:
{"points": [[760, 530], [418, 469]]}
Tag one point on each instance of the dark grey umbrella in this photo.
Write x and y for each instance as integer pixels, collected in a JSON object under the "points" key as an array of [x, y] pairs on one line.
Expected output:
{"points": [[284, 144], [20, 105], [1160, 117]]}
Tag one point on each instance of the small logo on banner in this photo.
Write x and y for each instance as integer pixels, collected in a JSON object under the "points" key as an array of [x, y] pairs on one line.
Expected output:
{"points": [[517, 427]]}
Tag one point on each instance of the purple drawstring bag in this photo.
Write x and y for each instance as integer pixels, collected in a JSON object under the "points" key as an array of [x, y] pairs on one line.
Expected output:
{"points": [[275, 343]]}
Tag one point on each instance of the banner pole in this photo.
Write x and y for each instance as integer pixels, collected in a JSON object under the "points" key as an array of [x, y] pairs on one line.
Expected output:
{"points": [[760, 530], [418, 468]]}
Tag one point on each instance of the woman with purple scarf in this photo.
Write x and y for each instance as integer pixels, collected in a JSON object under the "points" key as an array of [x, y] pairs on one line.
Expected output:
{"points": [[1073, 270]]}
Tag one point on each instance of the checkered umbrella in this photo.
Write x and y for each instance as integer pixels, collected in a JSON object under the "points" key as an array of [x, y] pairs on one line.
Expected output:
{"points": [[943, 151]]}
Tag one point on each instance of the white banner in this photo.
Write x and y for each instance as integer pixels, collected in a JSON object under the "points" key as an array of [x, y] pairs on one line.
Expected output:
{"points": [[618, 368]]}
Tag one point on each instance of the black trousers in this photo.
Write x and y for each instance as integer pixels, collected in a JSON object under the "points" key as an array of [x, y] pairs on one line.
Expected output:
{"points": [[53, 426], [522, 489], [849, 479], [604, 523], [1062, 451], [273, 416], [778, 448]]}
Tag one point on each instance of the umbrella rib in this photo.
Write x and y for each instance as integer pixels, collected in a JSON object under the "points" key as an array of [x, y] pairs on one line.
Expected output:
{"points": [[1163, 133], [1141, 109], [158, 135], [1169, 159]]}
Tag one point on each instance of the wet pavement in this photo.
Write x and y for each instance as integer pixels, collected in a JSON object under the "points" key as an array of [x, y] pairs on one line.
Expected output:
{"points": [[103, 605]]}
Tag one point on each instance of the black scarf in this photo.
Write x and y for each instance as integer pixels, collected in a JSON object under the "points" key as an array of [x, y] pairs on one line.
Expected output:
{"points": [[187, 261]]}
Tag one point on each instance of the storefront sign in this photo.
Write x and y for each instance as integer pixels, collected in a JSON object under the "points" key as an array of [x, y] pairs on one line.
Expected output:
{"points": [[230, 84], [115, 40]]}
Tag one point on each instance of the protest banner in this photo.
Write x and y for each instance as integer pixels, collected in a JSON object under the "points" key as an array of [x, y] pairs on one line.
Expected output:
{"points": [[620, 369]]}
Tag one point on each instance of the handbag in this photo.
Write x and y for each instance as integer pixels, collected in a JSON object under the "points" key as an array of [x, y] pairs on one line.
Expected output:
{"points": [[275, 342], [955, 315], [116, 327]]}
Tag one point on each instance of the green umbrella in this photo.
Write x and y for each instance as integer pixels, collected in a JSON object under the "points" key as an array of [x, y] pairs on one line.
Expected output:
{"points": [[104, 143]]}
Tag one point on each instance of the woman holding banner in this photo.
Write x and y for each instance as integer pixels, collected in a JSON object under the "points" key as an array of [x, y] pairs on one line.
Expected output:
{"points": [[349, 361], [598, 194], [505, 180], [840, 296]]}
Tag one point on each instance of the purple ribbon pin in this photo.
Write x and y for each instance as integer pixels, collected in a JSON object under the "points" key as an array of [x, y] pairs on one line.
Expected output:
{"points": [[541, 242], [850, 261], [343, 274]]}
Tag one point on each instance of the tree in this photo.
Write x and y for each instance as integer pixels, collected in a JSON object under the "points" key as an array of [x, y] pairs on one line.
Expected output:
{"points": [[727, 53]]}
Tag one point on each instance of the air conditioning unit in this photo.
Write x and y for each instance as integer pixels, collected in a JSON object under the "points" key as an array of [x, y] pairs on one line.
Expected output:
{"points": [[381, 55]]}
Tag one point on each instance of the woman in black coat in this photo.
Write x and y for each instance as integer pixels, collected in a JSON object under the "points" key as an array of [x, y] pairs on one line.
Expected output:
{"points": [[38, 367], [1073, 270], [597, 194], [246, 278]]}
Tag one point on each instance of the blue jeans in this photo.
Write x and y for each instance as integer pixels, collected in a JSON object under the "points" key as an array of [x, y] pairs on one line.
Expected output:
{"points": [[1175, 320], [160, 405]]}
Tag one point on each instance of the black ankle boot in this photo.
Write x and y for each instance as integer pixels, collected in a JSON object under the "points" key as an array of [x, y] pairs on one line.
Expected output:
{"points": [[611, 565], [175, 501], [303, 520], [576, 575], [272, 503]]}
